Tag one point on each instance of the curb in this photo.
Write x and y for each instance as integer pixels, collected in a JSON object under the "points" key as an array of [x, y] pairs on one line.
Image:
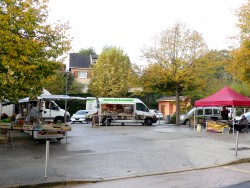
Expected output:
{"points": [[97, 180]]}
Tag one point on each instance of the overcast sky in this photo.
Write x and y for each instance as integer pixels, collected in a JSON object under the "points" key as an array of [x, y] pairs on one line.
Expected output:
{"points": [[131, 24]]}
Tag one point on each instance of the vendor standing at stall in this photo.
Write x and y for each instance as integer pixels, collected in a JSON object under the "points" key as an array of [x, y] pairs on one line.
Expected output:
{"points": [[32, 115], [224, 113]]}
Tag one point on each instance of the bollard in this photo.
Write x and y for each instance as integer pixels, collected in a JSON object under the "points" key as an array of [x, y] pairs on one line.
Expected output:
{"points": [[237, 142], [46, 158], [199, 128]]}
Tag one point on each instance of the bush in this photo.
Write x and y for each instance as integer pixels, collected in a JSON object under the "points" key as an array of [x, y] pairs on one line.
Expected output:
{"points": [[173, 119], [72, 105], [238, 112]]}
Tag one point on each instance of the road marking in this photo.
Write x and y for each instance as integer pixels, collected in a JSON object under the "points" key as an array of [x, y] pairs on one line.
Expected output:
{"points": [[235, 169]]}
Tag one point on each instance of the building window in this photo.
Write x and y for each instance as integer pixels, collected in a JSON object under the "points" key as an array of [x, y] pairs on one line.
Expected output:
{"points": [[82, 74]]}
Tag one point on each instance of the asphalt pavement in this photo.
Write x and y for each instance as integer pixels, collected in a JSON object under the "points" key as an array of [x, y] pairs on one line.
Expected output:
{"points": [[115, 152]]}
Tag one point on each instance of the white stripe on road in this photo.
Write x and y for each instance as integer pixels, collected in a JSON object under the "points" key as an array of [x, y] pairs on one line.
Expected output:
{"points": [[235, 169]]}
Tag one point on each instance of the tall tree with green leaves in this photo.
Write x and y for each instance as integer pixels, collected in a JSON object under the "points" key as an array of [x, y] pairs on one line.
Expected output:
{"points": [[57, 84], [174, 67], [87, 51], [215, 76], [30, 48], [110, 77], [240, 65]]}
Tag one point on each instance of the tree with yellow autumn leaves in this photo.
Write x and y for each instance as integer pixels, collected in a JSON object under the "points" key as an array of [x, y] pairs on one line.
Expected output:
{"points": [[31, 50], [174, 62], [239, 67]]}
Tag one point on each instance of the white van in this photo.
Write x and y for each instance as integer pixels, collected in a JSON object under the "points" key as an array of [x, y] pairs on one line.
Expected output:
{"points": [[207, 112], [52, 112], [47, 111]]}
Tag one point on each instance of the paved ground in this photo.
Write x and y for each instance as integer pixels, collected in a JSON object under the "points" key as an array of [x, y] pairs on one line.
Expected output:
{"points": [[97, 154]]}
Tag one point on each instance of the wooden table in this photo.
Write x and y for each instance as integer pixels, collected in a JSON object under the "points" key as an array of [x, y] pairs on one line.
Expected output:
{"points": [[9, 127]]}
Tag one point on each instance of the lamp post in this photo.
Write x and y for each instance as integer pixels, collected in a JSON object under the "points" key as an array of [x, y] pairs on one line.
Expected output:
{"points": [[66, 92]]}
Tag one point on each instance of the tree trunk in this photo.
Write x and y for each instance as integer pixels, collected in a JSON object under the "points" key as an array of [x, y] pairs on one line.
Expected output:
{"points": [[177, 94]]}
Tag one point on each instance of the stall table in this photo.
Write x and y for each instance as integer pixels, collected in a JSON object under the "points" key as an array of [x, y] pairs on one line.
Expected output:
{"points": [[7, 128]]}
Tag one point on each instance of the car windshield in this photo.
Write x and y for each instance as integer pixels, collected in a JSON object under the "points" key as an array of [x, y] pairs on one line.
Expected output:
{"points": [[247, 115], [191, 112], [81, 112]]}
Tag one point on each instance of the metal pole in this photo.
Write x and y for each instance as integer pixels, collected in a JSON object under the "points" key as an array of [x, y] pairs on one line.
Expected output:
{"points": [[66, 88], [1, 109], [99, 117], [46, 158], [237, 142], [233, 110], [66, 133], [194, 117]]}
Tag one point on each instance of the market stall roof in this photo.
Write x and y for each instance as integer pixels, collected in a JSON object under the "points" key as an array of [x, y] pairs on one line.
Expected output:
{"points": [[26, 99], [224, 97], [46, 95], [59, 97]]}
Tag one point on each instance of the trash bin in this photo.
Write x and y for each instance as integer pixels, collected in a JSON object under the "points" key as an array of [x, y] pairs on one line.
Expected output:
{"points": [[167, 119]]}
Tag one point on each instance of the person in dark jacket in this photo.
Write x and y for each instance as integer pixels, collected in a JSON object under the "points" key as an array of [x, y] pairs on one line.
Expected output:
{"points": [[224, 113], [243, 123]]}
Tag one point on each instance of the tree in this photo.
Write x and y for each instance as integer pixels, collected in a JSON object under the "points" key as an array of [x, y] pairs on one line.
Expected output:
{"points": [[31, 50], [56, 84], [110, 77], [216, 76], [240, 65], [243, 21], [87, 51], [175, 53]]}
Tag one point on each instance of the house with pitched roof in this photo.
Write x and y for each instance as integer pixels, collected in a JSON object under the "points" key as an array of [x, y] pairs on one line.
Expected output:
{"points": [[80, 66]]}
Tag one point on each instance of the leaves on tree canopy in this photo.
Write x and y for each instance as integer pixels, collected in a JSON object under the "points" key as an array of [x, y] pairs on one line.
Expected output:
{"points": [[87, 51], [110, 76], [240, 65], [29, 48], [175, 52]]}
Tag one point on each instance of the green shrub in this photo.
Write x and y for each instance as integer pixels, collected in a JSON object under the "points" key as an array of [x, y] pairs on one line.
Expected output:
{"points": [[173, 119], [238, 112], [8, 120]]}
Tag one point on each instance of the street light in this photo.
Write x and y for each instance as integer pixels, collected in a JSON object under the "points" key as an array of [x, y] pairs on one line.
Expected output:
{"points": [[66, 92]]}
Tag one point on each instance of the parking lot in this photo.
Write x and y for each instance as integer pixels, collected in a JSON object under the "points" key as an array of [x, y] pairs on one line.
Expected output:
{"points": [[116, 151]]}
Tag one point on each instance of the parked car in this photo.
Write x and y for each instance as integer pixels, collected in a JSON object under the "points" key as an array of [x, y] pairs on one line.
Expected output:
{"points": [[79, 117], [241, 122], [157, 113], [206, 112]]}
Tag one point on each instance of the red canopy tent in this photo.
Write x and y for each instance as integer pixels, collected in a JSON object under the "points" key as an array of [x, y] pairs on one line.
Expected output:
{"points": [[224, 97]]}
